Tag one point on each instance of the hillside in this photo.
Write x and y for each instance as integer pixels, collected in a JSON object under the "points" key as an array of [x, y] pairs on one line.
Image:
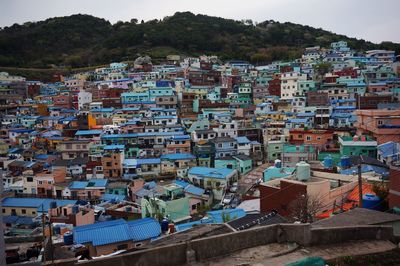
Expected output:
{"points": [[83, 40]]}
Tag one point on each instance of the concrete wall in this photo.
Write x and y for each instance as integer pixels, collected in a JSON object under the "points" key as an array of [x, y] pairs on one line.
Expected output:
{"points": [[209, 247]]}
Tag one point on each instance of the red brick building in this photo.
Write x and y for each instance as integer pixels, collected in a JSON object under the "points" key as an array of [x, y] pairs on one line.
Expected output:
{"points": [[274, 87], [279, 198], [394, 187]]}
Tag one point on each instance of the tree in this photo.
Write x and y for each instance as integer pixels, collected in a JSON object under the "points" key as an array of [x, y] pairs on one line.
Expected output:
{"points": [[304, 208]]}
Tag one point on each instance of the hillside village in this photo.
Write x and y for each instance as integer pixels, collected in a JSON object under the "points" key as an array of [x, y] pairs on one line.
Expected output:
{"points": [[135, 156]]}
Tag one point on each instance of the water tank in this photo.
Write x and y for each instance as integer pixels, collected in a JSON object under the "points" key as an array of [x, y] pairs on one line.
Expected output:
{"points": [[371, 202], [345, 161], [53, 204], [75, 209], [164, 225], [278, 163], [328, 162], [68, 238], [303, 171]]}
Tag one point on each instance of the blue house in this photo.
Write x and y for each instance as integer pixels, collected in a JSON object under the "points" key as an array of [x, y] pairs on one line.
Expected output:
{"points": [[107, 237]]}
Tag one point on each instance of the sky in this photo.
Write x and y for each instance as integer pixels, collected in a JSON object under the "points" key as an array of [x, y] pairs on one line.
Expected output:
{"points": [[371, 20]]}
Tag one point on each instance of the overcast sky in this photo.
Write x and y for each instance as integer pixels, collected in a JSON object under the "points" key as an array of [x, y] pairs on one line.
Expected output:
{"points": [[373, 20]]}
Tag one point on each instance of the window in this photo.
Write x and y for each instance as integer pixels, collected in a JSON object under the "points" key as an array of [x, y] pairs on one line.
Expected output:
{"points": [[108, 164], [308, 137], [29, 179], [49, 182], [23, 211], [4, 210]]}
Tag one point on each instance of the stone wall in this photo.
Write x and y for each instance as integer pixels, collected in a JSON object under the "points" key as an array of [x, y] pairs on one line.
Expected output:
{"points": [[208, 247]]}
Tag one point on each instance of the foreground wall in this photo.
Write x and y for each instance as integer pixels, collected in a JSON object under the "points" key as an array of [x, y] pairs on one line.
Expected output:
{"points": [[205, 248]]}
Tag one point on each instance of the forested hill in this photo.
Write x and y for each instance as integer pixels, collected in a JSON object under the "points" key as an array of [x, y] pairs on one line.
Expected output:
{"points": [[83, 40]]}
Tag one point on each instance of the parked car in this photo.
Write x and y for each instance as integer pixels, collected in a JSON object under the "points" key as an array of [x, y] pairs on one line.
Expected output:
{"points": [[228, 198], [234, 187]]}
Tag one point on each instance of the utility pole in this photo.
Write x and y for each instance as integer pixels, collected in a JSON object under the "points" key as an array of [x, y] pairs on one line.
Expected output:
{"points": [[360, 193]]}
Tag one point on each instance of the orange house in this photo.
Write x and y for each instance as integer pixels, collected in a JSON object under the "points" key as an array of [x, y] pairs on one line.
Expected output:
{"points": [[383, 125], [310, 137]]}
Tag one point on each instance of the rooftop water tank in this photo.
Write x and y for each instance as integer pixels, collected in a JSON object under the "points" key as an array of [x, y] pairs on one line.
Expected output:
{"points": [[75, 209], [371, 202], [53, 204], [164, 225], [68, 238], [303, 171], [328, 162], [278, 163], [345, 161]]}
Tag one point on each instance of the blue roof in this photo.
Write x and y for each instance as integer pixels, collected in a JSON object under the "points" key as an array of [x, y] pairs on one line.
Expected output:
{"points": [[21, 130], [217, 216], [305, 114], [103, 233], [242, 140], [164, 117], [90, 183], [185, 226], [42, 156], [274, 172], [88, 132], [218, 173], [142, 229], [365, 169], [194, 190], [41, 204], [178, 156], [388, 149], [150, 185], [344, 107], [298, 120], [181, 183], [13, 219], [103, 110], [181, 137], [112, 197], [78, 185], [114, 147], [148, 161]]}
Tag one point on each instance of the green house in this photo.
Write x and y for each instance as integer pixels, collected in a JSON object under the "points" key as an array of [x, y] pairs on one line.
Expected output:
{"points": [[242, 163], [358, 145]]}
